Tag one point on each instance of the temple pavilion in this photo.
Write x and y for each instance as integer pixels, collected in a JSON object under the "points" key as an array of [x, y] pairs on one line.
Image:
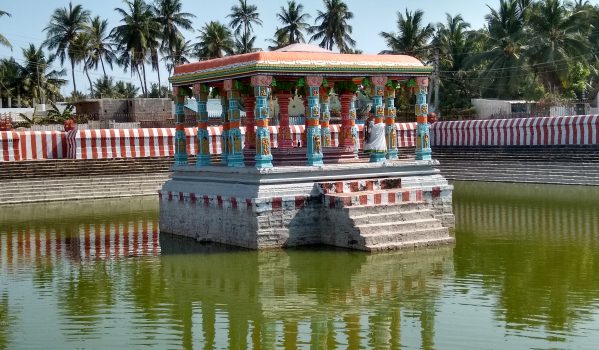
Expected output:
{"points": [[310, 72], [382, 204]]}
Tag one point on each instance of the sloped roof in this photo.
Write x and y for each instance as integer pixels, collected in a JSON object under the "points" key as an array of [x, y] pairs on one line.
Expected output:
{"points": [[298, 60]]}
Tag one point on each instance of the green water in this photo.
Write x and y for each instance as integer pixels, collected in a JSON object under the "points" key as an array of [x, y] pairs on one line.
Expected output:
{"points": [[524, 274]]}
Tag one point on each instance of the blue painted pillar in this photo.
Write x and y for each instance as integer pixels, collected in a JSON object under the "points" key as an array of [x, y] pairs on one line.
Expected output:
{"points": [[377, 156], [224, 140], [235, 147], [261, 84], [180, 139], [313, 136], [423, 148], [325, 117], [390, 127], [200, 92]]}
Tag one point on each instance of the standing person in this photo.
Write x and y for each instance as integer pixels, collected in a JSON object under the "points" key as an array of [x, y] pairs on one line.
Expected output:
{"points": [[374, 135]]}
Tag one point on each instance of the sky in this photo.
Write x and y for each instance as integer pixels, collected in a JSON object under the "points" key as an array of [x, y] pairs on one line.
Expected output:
{"points": [[30, 17]]}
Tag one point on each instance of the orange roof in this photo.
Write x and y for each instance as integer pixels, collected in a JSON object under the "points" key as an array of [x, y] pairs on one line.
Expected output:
{"points": [[297, 63]]}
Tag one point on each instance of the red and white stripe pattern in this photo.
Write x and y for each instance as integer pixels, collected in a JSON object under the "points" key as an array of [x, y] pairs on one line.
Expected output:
{"points": [[551, 131], [93, 241], [9, 146], [256, 205], [35, 145], [385, 197]]}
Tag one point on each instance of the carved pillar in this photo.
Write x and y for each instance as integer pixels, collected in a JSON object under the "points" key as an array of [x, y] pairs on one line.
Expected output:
{"points": [[224, 144], [250, 123], [180, 139], [423, 149], [303, 136], [261, 84], [325, 117], [345, 139], [390, 127], [200, 92], [313, 138], [284, 135], [354, 129], [235, 155], [379, 112]]}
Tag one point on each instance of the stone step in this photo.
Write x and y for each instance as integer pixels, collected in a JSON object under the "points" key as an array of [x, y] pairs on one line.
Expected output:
{"points": [[418, 234], [392, 216], [368, 210], [388, 246], [399, 227]]}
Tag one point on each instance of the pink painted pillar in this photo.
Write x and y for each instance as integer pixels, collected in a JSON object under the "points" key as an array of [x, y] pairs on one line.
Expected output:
{"points": [[345, 134], [250, 122], [284, 135]]}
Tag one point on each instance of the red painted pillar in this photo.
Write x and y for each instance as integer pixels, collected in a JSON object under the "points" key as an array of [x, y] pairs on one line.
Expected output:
{"points": [[284, 135], [304, 138], [345, 138], [250, 122]]}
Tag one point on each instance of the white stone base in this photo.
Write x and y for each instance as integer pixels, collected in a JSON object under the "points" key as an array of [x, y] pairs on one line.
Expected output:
{"points": [[303, 205]]}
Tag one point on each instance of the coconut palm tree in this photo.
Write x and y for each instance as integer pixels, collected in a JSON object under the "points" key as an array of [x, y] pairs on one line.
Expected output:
{"points": [[170, 16], [293, 21], [505, 50], [455, 44], [332, 26], [80, 51], [125, 90], [181, 51], [37, 79], [10, 78], [245, 44], [558, 42], [3, 40], [413, 37], [65, 24], [244, 16], [102, 47], [136, 36], [104, 87], [281, 39], [215, 41]]}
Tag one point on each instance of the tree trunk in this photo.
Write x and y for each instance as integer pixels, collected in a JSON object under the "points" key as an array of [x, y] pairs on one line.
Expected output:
{"points": [[73, 76], [103, 69], [141, 82], [91, 86], [143, 67], [159, 83]]}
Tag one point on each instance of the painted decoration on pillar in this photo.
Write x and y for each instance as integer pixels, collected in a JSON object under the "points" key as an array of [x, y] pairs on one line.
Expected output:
{"points": [[205, 148], [393, 138], [265, 147], [418, 141], [181, 146], [317, 145]]}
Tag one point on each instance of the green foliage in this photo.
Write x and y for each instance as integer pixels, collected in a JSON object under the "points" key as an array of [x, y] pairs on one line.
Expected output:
{"points": [[332, 27], [577, 83]]}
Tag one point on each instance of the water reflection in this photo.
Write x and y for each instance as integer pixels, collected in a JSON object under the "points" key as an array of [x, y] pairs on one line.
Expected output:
{"points": [[98, 274], [537, 249]]}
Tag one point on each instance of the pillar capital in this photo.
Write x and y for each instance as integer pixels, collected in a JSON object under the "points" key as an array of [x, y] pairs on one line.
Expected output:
{"points": [[313, 80], [261, 80], [379, 80]]}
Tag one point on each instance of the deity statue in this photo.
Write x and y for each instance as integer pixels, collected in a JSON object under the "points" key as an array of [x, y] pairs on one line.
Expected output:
{"points": [[426, 141], [265, 146], [393, 138], [205, 145], [237, 143], [317, 144], [418, 141]]}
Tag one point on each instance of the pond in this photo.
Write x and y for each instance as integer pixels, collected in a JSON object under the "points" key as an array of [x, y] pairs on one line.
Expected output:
{"points": [[523, 274]]}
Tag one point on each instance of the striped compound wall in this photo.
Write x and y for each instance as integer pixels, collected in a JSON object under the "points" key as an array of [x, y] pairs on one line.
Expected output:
{"points": [[569, 130], [132, 143], [153, 142]]}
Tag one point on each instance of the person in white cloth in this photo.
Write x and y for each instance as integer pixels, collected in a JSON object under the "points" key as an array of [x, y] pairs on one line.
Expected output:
{"points": [[374, 135]]}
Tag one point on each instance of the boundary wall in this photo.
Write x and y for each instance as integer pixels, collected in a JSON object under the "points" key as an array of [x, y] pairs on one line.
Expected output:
{"points": [[132, 143], [549, 131]]}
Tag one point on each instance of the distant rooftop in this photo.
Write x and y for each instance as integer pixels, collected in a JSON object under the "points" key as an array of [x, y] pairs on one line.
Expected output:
{"points": [[303, 48]]}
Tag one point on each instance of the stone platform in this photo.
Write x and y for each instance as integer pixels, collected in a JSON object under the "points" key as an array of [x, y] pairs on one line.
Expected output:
{"points": [[364, 206]]}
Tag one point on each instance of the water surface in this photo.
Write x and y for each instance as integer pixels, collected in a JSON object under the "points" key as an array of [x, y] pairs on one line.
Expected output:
{"points": [[523, 274]]}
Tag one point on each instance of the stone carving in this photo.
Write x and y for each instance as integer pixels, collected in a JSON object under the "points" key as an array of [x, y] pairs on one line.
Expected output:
{"points": [[317, 146], [261, 80], [379, 80], [265, 147], [314, 81], [228, 85]]}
